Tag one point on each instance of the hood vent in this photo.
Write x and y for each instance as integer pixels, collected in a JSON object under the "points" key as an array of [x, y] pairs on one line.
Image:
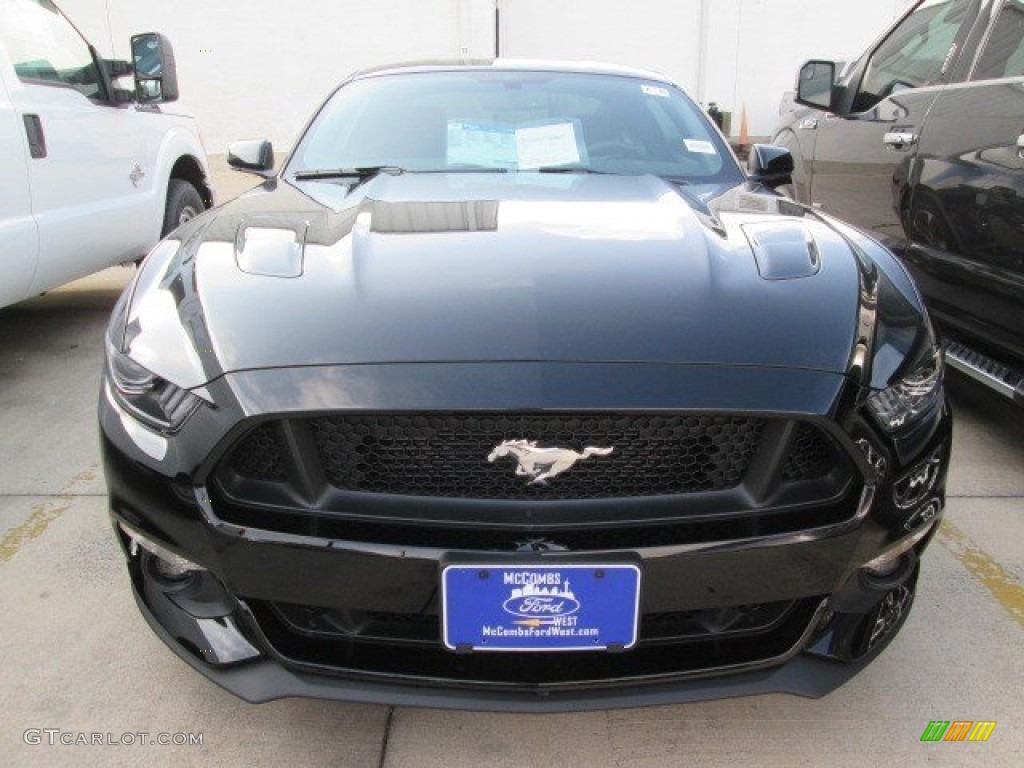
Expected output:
{"points": [[783, 251], [270, 251]]}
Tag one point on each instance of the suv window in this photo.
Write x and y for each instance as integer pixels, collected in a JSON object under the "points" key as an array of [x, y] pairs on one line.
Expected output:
{"points": [[1004, 50], [43, 46], [914, 53]]}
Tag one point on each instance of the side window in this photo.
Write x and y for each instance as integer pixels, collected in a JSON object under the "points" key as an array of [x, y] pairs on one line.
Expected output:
{"points": [[1004, 50], [914, 53], [43, 46]]}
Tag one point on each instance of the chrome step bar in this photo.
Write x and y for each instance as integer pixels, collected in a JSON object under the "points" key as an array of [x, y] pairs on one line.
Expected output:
{"points": [[992, 374]]}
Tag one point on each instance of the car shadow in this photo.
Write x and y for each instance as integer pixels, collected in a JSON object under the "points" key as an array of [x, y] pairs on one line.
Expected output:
{"points": [[999, 417], [69, 317]]}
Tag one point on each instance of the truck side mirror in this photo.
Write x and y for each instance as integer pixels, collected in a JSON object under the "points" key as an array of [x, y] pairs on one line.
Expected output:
{"points": [[770, 165], [117, 68], [252, 156], [156, 77], [814, 86]]}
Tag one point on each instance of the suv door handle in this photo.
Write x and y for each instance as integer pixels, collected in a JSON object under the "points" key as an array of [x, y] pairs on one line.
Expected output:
{"points": [[899, 139], [1020, 146]]}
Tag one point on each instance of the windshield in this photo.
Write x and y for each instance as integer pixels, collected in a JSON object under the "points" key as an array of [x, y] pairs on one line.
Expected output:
{"points": [[514, 121]]}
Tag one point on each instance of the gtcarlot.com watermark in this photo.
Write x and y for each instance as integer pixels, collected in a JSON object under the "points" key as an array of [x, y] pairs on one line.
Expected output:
{"points": [[57, 737]]}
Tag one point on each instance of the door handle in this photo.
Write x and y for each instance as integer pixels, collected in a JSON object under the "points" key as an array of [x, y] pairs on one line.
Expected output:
{"points": [[1020, 146], [36, 138], [899, 139]]}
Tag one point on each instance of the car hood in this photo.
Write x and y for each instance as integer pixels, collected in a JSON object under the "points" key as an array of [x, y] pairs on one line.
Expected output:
{"points": [[496, 267]]}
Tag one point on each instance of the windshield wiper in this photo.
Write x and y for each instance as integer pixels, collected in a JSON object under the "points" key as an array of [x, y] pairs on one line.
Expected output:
{"points": [[569, 169], [583, 169], [467, 168], [362, 173]]}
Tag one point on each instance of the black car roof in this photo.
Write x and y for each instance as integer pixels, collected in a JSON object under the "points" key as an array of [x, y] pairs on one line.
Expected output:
{"points": [[521, 65]]}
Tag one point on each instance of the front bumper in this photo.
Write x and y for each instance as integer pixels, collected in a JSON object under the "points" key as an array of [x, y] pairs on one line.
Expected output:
{"points": [[222, 626], [266, 679], [269, 614]]}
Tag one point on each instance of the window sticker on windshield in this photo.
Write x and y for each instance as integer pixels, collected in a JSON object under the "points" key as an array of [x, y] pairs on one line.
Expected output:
{"points": [[500, 145], [553, 144], [654, 90], [700, 146], [491, 145]]}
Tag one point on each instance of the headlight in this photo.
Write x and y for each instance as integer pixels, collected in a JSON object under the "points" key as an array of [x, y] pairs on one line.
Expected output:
{"points": [[155, 402], [911, 397]]}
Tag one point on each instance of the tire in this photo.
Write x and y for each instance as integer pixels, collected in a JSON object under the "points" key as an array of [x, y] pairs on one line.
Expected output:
{"points": [[926, 223], [183, 203]]}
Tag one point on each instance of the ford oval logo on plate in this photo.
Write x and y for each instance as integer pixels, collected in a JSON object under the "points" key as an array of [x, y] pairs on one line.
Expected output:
{"points": [[531, 601]]}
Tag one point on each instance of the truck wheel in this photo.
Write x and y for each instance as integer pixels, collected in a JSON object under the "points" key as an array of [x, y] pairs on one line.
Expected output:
{"points": [[183, 203]]}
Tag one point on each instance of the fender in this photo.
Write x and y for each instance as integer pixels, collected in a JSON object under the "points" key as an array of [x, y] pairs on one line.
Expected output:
{"points": [[803, 153], [180, 140]]}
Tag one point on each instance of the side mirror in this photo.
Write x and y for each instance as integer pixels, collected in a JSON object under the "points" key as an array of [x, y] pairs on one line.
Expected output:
{"points": [[252, 156], [117, 68], [770, 165], [156, 77], [814, 86]]}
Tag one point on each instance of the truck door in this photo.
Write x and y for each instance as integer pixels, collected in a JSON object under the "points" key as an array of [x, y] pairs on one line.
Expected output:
{"points": [[18, 236], [966, 213], [856, 156], [86, 188]]}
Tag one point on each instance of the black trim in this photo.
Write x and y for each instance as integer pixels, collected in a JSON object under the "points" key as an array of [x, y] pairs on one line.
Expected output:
{"points": [[35, 135], [267, 680]]}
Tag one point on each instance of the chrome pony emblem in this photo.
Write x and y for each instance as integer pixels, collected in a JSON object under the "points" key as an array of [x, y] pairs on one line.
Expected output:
{"points": [[541, 464]]}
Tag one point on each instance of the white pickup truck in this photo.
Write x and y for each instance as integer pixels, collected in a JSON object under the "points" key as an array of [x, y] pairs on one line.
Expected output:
{"points": [[90, 175]]}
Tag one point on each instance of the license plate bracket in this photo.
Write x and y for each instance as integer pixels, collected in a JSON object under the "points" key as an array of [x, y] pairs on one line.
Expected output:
{"points": [[540, 607]]}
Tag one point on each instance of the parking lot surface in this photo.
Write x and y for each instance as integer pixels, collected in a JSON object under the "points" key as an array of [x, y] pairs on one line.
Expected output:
{"points": [[79, 659]]}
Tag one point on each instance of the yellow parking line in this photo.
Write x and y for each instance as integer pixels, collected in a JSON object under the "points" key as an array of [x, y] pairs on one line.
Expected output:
{"points": [[1003, 585], [41, 516]]}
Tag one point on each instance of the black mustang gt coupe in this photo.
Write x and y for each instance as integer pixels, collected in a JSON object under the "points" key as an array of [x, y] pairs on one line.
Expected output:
{"points": [[513, 390]]}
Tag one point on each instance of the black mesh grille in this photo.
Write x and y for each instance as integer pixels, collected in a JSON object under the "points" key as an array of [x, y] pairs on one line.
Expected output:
{"points": [[671, 657], [424, 479], [426, 627], [261, 455], [812, 455], [447, 454]]}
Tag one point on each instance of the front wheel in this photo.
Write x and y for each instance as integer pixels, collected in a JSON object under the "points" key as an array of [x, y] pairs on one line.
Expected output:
{"points": [[183, 203]]}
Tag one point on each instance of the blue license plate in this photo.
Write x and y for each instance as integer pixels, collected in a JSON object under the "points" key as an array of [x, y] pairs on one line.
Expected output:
{"points": [[488, 607]]}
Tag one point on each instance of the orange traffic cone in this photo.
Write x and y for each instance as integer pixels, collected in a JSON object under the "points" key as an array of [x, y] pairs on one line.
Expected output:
{"points": [[744, 130]]}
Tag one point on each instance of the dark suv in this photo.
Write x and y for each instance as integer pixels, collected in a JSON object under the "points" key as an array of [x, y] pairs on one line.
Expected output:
{"points": [[921, 143]]}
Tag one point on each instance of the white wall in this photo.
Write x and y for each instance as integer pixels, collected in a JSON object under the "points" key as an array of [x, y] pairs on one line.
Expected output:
{"points": [[663, 35], [250, 68], [756, 47], [733, 52], [258, 68]]}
